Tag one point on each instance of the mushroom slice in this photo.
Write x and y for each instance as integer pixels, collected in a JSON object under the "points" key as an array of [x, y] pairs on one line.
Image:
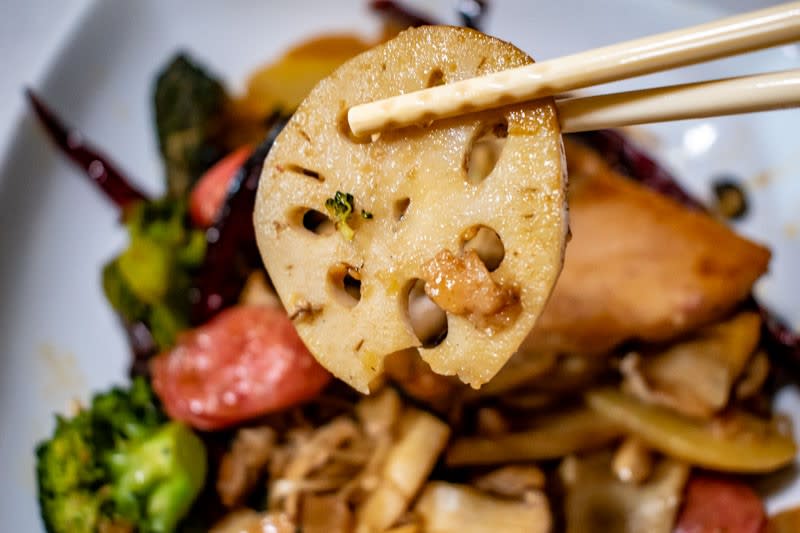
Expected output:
{"points": [[405, 198], [597, 501]]}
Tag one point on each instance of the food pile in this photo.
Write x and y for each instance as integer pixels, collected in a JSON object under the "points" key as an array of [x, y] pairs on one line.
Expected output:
{"points": [[630, 390]]}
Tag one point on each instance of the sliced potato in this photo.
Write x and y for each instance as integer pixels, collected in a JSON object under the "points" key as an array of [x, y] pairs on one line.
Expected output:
{"points": [[414, 185], [551, 437], [283, 84], [737, 442]]}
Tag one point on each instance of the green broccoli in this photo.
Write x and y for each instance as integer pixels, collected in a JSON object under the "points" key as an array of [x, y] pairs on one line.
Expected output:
{"points": [[149, 281], [119, 465], [192, 117], [340, 207]]}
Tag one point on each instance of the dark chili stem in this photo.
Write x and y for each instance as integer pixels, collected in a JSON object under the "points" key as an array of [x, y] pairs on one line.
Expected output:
{"points": [[231, 240], [400, 14], [100, 170]]}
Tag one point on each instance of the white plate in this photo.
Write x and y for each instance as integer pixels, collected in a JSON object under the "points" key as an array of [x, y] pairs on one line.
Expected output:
{"points": [[61, 340]]}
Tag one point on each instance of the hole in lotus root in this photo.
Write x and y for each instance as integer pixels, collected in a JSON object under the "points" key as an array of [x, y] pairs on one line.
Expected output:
{"points": [[317, 222], [484, 152], [486, 243], [345, 284], [428, 321]]}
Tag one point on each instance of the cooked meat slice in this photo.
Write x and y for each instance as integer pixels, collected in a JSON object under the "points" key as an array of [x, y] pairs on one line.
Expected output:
{"points": [[463, 286], [639, 266]]}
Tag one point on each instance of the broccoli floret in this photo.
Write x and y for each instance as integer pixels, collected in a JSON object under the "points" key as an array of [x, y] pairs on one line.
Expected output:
{"points": [[191, 112], [119, 464], [340, 207], [69, 472], [150, 280], [157, 478]]}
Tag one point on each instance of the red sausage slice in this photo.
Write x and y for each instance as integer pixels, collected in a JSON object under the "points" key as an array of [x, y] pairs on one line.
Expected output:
{"points": [[246, 362], [716, 504], [209, 194]]}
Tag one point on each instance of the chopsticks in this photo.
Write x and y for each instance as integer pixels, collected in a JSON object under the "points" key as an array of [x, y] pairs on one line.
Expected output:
{"points": [[726, 37], [746, 94]]}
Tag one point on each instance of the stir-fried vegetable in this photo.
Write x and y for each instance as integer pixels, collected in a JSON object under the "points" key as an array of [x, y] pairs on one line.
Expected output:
{"points": [[149, 281], [447, 508], [551, 437], [695, 376], [340, 463], [408, 464], [597, 501], [191, 113], [119, 464], [736, 443], [284, 84], [340, 207]]}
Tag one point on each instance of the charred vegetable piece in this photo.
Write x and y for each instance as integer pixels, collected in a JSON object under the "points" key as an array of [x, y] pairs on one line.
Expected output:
{"points": [[191, 112], [148, 282], [231, 252], [119, 464], [715, 503], [97, 167], [522, 199], [738, 443], [246, 362]]}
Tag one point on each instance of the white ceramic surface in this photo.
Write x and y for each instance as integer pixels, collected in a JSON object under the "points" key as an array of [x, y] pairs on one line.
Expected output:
{"points": [[60, 339]]}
